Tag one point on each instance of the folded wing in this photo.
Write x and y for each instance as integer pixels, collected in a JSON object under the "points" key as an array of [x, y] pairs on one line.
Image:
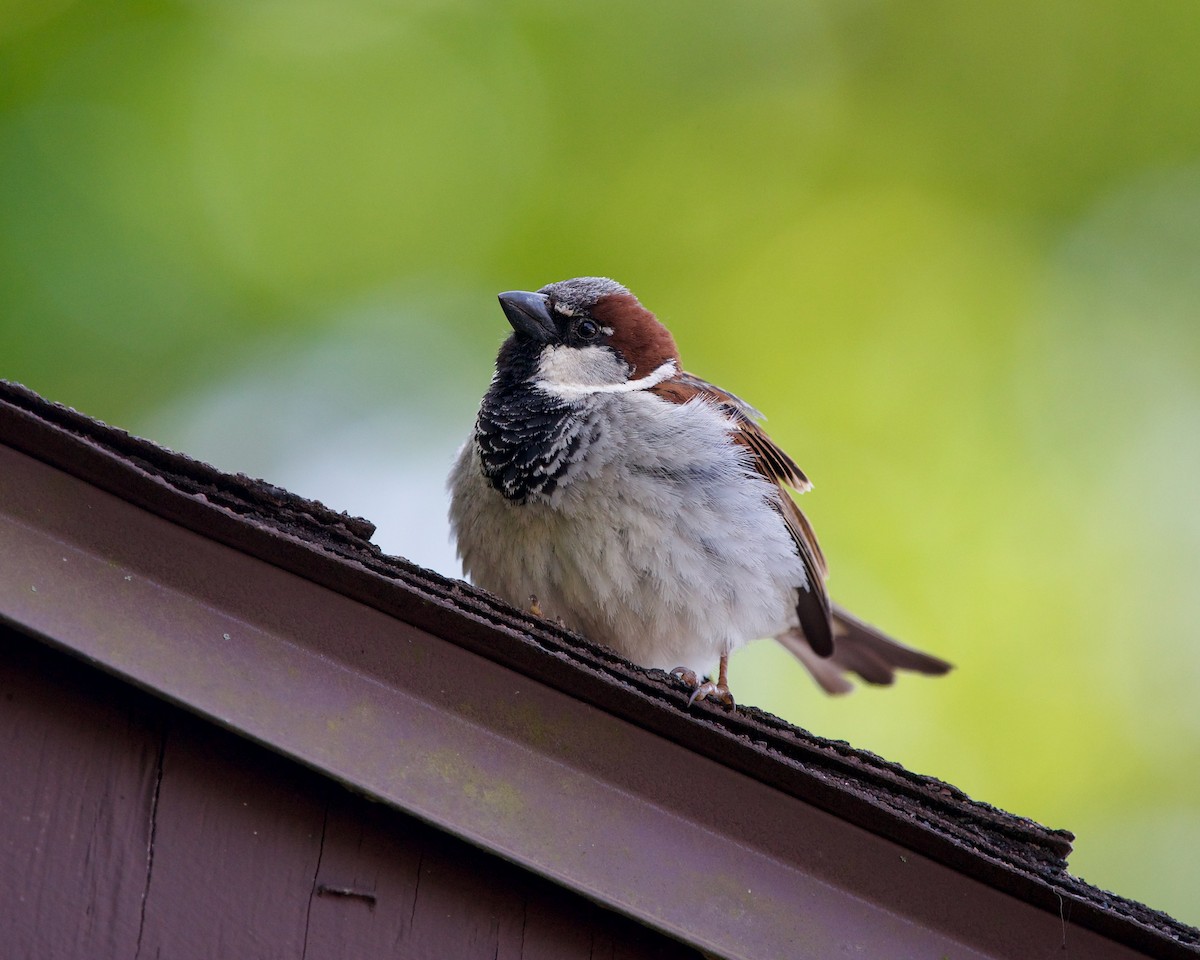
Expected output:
{"points": [[812, 600]]}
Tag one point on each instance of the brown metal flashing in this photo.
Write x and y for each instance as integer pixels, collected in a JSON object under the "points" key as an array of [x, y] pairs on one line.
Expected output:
{"points": [[323, 624]]}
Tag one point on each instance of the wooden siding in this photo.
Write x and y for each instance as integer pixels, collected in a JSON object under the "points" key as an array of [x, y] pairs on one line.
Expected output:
{"points": [[135, 830]]}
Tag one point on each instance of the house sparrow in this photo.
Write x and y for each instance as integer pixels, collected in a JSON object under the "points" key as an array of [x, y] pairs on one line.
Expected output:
{"points": [[643, 507]]}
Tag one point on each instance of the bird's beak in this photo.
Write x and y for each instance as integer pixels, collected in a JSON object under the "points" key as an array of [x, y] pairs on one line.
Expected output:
{"points": [[528, 314]]}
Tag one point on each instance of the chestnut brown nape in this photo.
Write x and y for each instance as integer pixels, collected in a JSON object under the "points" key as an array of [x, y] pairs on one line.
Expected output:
{"points": [[636, 333]]}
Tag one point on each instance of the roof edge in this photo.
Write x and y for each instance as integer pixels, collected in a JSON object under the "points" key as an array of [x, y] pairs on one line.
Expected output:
{"points": [[333, 549]]}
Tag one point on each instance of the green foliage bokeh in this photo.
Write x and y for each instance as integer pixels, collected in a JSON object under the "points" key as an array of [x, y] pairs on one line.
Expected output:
{"points": [[950, 249]]}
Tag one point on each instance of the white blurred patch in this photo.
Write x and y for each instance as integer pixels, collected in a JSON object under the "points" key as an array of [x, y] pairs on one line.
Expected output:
{"points": [[365, 416]]}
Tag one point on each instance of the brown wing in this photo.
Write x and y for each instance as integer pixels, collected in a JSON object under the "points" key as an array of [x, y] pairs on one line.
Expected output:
{"points": [[812, 601]]}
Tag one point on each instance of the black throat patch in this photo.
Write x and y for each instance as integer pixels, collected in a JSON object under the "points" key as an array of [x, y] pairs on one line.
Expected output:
{"points": [[529, 441]]}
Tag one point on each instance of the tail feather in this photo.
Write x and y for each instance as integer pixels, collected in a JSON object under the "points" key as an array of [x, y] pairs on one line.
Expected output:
{"points": [[823, 669], [862, 650]]}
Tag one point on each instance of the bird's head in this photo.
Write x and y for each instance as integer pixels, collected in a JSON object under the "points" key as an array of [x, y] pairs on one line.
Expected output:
{"points": [[583, 336]]}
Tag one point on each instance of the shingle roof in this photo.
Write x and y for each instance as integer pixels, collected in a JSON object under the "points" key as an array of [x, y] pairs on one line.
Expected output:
{"points": [[736, 832]]}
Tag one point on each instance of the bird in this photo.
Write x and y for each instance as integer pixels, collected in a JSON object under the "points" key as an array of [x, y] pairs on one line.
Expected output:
{"points": [[617, 494]]}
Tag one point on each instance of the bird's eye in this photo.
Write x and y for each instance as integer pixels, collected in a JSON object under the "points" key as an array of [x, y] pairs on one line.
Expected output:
{"points": [[587, 329]]}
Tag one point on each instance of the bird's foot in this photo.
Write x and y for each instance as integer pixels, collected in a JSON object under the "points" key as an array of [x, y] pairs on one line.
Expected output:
{"points": [[535, 608], [704, 689]]}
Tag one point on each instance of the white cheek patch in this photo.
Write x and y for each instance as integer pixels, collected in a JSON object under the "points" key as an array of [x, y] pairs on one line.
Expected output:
{"points": [[574, 372], [580, 366]]}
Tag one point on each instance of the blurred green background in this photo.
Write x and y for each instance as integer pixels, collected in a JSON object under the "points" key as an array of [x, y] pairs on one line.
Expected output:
{"points": [[952, 250]]}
